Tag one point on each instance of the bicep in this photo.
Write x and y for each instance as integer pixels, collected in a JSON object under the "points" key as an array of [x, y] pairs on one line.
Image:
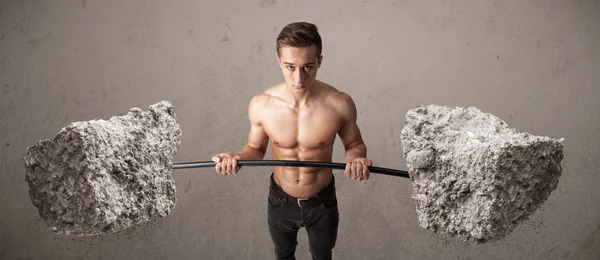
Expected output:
{"points": [[349, 132], [257, 137]]}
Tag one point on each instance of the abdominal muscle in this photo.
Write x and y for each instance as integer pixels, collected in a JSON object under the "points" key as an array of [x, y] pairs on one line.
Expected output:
{"points": [[302, 182]]}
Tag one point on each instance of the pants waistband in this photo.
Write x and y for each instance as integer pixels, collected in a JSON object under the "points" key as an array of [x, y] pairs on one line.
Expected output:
{"points": [[328, 191]]}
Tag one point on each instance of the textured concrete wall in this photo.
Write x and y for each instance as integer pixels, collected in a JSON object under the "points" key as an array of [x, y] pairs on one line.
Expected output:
{"points": [[535, 64]]}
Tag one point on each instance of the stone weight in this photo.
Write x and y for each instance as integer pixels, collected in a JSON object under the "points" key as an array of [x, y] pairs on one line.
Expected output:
{"points": [[102, 176], [473, 176]]}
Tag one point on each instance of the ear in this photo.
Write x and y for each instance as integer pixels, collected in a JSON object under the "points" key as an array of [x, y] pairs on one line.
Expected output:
{"points": [[320, 61]]}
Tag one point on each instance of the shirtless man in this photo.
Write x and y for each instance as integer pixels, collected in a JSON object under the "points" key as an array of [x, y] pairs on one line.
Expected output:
{"points": [[301, 117]]}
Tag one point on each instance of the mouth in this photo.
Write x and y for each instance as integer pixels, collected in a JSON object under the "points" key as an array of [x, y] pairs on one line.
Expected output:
{"points": [[299, 86]]}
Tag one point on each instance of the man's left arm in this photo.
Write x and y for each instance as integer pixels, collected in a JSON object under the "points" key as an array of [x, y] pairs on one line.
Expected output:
{"points": [[355, 149]]}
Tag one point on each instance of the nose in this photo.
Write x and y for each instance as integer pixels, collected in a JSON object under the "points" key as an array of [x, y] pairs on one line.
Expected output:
{"points": [[300, 76]]}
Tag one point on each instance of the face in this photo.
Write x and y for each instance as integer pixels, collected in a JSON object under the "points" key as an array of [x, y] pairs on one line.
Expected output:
{"points": [[299, 66]]}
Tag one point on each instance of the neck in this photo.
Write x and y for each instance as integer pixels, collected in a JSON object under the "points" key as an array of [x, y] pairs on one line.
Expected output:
{"points": [[299, 99]]}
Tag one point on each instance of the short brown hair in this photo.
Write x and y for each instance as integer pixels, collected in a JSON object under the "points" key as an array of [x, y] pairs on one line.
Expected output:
{"points": [[300, 34]]}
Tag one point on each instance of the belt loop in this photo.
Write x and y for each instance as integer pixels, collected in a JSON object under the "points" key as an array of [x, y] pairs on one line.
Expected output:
{"points": [[318, 198]]}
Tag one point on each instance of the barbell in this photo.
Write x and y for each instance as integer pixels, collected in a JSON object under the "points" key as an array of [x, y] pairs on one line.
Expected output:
{"points": [[292, 163], [473, 177]]}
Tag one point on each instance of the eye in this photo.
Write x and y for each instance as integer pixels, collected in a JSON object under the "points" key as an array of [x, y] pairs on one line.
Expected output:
{"points": [[290, 67]]}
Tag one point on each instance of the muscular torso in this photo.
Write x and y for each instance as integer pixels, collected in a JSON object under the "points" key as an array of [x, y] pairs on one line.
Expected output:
{"points": [[305, 134]]}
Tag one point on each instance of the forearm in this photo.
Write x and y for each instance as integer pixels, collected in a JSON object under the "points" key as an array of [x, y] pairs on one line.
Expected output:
{"points": [[250, 153], [355, 152]]}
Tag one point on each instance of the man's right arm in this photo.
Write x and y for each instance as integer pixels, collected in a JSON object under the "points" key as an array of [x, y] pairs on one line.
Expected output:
{"points": [[256, 148]]}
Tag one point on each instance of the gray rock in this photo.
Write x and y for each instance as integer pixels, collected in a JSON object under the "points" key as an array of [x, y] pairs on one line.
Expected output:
{"points": [[473, 177], [103, 176]]}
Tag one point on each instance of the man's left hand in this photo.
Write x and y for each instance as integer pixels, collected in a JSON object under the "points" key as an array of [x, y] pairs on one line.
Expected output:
{"points": [[357, 168]]}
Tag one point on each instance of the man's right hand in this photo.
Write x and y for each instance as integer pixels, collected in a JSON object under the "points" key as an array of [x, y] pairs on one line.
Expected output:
{"points": [[226, 163]]}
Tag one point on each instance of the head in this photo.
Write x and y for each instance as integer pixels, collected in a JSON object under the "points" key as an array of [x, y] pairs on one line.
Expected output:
{"points": [[299, 54]]}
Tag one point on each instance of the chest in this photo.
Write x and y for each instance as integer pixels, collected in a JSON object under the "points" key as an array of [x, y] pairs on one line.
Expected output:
{"points": [[306, 129]]}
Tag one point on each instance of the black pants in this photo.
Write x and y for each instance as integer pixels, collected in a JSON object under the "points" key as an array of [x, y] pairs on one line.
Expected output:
{"points": [[319, 215]]}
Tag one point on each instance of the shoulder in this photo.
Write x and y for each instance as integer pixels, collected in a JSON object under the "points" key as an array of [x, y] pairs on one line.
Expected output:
{"points": [[258, 100], [341, 101], [255, 108], [344, 100], [261, 99]]}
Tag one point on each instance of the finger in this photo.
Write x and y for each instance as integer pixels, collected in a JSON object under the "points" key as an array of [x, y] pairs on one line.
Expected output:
{"points": [[235, 165], [359, 170], [230, 165], [354, 164], [223, 166], [365, 170], [218, 167], [227, 165], [347, 170], [217, 160]]}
